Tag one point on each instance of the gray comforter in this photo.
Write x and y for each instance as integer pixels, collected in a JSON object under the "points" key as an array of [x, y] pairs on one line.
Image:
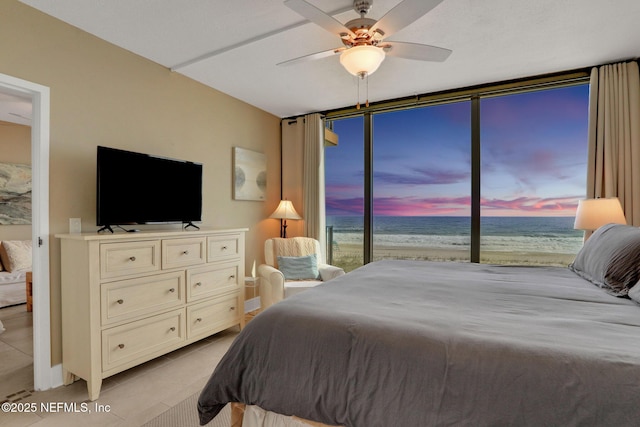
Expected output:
{"points": [[414, 343]]}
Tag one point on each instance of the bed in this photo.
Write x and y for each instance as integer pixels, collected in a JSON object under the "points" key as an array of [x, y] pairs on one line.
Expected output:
{"points": [[418, 343]]}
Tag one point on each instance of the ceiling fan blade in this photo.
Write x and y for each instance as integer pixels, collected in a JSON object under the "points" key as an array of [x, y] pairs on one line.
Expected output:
{"points": [[318, 17], [421, 52], [313, 56], [403, 14]]}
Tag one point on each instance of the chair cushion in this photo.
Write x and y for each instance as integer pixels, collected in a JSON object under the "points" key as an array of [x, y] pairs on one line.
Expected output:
{"points": [[299, 267], [291, 246], [297, 286]]}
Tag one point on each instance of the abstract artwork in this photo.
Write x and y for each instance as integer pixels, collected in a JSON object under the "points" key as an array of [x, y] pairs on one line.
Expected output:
{"points": [[249, 175], [15, 194]]}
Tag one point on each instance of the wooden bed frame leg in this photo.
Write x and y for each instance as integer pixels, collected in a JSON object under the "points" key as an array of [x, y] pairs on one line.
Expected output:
{"points": [[237, 414]]}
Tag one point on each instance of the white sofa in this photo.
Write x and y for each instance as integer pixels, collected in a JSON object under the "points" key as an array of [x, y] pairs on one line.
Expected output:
{"points": [[274, 286], [15, 258]]}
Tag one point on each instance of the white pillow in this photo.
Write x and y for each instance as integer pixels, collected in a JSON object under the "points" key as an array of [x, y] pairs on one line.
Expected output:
{"points": [[16, 255]]}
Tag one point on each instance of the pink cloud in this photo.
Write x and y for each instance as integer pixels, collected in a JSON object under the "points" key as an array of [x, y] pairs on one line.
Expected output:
{"points": [[533, 205], [455, 206]]}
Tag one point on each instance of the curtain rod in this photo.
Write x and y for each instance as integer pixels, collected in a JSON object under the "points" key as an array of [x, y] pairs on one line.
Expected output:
{"points": [[486, 90], [569, 77]]}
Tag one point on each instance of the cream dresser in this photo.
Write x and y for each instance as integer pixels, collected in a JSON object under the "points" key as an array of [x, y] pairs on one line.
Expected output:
{"points": [[130, 297]]}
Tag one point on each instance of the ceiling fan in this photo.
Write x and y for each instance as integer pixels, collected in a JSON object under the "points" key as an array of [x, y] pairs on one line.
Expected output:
{"points": [[364, 47]]}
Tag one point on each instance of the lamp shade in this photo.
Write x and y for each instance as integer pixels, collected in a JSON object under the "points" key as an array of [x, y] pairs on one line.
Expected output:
{"points": [[594, 213], [362, 59], [285, 210]]}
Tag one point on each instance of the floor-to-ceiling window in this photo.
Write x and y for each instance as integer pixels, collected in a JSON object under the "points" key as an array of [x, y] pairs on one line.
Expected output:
{"points": [[534, 165], [344, 193], [421, 183], [519, 156]]}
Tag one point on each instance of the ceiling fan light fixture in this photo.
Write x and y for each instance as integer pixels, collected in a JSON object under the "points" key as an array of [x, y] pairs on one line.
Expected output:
{"points": [[362, 60]]}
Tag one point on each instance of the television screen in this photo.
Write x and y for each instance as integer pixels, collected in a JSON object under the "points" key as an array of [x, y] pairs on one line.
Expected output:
{"points": [[136, 188]]}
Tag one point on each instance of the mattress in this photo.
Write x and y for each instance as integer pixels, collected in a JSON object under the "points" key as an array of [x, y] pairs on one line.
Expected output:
{"points": [[420, 343]]}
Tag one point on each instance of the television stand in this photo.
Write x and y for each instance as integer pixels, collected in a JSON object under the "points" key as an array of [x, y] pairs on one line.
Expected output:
{"points": [[190, 224], [106, 228]]}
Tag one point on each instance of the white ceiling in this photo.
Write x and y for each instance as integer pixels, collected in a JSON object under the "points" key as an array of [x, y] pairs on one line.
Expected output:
{"points": [[243, 40], [15, 109]]}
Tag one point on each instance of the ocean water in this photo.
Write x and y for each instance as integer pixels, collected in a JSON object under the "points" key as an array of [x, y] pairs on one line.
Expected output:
{"points": [[508, 234]]}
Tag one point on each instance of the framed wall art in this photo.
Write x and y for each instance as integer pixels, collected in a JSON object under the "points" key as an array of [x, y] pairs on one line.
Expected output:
{"points": [[249, 175], [15, 194]]}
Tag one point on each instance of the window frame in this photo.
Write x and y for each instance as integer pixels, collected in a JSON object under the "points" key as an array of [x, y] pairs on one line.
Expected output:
{"points": [[472, 94]]}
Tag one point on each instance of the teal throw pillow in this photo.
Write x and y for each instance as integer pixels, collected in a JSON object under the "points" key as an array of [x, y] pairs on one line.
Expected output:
{"points": [[299, 267]]}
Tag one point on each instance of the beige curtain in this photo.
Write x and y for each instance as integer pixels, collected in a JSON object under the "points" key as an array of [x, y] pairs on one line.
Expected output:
{"points": [[614, 136], [313, 178]]}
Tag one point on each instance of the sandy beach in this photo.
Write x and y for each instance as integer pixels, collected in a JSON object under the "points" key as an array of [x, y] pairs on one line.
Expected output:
{"points": [[349, 256]]}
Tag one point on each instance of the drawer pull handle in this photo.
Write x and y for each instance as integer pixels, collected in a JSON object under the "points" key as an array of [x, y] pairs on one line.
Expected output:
{"points": [[224, 248], [132, 258], [172, 290], [120, 301], [199, 284], [231, 308], [199, 319], [233, 276], [172, 329], [185, 252], [120, 345]]}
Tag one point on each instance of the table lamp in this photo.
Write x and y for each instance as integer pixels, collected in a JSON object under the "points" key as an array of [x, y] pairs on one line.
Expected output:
{"points": [[594, 213], [283, 212]]}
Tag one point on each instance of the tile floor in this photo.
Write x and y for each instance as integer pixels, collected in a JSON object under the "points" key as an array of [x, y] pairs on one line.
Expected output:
{"points": [[130, 398]]}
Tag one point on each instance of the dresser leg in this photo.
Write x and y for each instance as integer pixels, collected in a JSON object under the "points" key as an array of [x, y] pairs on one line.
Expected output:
{"points": [[67, 377], [93, 387]]}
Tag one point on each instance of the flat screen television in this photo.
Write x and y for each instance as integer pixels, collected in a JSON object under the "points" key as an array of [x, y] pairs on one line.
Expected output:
{"points": [[136, 188]]}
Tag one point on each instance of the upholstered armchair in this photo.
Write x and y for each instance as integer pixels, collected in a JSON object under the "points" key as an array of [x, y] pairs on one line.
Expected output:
{"points": [[292, 265]]}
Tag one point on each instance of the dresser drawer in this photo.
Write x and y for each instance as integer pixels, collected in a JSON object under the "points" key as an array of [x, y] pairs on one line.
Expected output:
{"points": [[128, 299], [128, 258], [212, 280], [212, 316], [139, 341], [224, 247], [183, 252]]}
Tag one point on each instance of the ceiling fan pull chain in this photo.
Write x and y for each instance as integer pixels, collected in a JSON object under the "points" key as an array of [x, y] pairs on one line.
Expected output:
{"points": [[358, 93], [367, 82]]}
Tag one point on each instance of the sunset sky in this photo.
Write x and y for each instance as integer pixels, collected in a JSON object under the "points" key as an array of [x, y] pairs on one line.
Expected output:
{"points": [[534, 152]]}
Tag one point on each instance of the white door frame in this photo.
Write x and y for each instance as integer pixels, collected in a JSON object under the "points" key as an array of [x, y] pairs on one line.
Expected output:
{"points": [[44, 376]]}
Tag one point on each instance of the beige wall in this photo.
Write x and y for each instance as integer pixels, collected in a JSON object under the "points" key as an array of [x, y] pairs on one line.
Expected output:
{"points": [[15, 147], [104, 95]]}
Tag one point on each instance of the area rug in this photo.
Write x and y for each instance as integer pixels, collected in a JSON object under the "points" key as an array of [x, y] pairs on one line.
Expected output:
{"points": [[185, 414]]}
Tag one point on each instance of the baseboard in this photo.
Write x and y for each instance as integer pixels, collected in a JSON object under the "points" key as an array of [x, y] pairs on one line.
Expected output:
{"points": [[252, 304], [50, 378]]}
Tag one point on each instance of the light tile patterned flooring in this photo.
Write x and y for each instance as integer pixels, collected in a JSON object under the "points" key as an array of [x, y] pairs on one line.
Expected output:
{"points": [[132, 397]]}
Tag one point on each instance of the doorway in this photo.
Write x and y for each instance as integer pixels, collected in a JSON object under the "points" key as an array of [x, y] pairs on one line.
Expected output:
{"points": [[44, 375]]}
